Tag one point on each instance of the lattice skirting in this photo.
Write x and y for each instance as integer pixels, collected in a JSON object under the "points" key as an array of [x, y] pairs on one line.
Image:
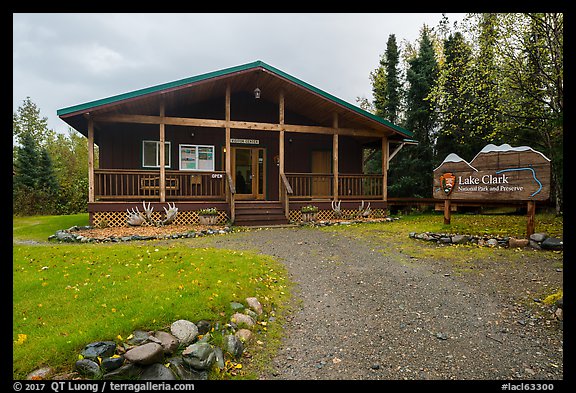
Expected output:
{"points": [[118, 219], [347, 214]]}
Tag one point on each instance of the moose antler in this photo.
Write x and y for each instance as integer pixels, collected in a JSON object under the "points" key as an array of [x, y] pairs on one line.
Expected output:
{"points": [[135, 218], [171, 213], [364, 211], [336, 208], [148, 212], [367, 211]]}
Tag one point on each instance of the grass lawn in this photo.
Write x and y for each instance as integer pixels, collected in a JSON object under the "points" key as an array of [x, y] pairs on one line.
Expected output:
{"points": [[66, 296], [471, 224]]}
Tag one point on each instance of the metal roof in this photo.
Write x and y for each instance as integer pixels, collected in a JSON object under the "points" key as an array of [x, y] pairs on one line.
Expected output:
{"points": [[85, 107]]}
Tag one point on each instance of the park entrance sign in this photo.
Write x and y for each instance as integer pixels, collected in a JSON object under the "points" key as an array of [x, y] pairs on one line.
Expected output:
{"points": [[497, 173]]}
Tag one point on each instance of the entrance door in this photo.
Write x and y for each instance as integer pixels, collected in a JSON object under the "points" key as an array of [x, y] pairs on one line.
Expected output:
{"points": [[249, 172], [321, 165]]}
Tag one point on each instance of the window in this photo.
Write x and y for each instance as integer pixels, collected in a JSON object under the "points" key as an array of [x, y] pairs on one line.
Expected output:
{"points": [[151, 154], [196, 158]]}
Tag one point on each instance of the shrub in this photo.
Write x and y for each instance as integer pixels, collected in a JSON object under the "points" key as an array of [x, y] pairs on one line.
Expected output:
{"points": [[309, 209], [211, 211]]}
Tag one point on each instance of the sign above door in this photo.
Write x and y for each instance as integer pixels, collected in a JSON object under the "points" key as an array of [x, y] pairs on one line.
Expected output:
{"points": [[245, 141]]}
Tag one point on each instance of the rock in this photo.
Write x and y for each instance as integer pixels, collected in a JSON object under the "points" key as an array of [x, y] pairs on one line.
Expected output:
{"points": [[203, 327], [185, 331], [199, 356], [492, 242], [535, 245], [251, 314], [242, 319], [145, 354], [184, 372], [518, 243], [559, 313], [219, 357], [138, 337], [110, 364], [233, 345], [64, 236], [127, 371], [236, 306], [538, 237], [442, 336], [169, 342], [244, 335], [157, 372], [103, 349], [552, 243], [88, 368], [255, 305], [41, 373], [460, 239], [445, 240]]}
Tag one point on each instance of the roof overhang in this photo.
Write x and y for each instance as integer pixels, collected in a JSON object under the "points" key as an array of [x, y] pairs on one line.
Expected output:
{"points": [[300, 97]]}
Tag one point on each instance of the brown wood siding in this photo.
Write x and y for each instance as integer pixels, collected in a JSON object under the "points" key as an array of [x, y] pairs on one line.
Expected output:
{"points": [[120, 144]]}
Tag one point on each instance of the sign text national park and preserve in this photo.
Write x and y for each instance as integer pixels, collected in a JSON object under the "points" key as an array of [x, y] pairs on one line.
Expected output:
{"points": [[496, 173]]}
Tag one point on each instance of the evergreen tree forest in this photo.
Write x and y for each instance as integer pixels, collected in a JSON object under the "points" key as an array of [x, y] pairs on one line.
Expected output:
{"points": [[50, 170], [493, 78]]}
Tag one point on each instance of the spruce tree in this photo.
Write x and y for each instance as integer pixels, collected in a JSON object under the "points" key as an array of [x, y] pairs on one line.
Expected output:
{"points": [[25, 179], [411, 174]]}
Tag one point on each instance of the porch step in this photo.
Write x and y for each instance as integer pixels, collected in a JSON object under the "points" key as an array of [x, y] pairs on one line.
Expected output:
{"points": [[259, 213]]}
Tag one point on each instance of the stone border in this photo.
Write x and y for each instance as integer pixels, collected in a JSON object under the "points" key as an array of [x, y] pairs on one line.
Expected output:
{"points": [[187, 351], [67, 235], [537, 241]]}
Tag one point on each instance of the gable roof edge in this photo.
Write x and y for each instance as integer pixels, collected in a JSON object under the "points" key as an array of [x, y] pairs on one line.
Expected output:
{"points": [[227, 71]]}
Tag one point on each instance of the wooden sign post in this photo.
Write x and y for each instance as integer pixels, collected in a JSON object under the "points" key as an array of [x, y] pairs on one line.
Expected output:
{"points": [[497, 173], [447, 211]]}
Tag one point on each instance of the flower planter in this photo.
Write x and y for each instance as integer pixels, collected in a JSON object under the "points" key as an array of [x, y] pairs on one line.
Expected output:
{"points": [[208, 220], [309, 217]]}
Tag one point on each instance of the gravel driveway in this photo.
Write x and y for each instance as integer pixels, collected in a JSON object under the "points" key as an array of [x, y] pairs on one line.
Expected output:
{"points": [[360, 313]]}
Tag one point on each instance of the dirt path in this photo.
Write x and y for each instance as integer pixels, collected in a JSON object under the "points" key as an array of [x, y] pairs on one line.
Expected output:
{"points": [[364, 314]]}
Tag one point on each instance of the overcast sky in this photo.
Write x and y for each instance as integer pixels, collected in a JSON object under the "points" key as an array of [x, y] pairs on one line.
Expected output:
{"points": [[61, 60]]}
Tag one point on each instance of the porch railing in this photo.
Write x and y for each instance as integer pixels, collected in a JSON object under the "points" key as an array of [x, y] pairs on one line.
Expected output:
{"points": [[122, 184], [360, 186], [310, 185], [321, 185]]}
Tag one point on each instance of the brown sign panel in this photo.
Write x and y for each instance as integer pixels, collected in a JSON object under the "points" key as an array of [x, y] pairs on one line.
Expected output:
{"points": [[496, 173]]}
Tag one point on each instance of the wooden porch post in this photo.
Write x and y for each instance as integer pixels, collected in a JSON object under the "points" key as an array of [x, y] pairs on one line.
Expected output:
{"points": [[229, 195], [282, 192], [281, 140], [162, 152], [335, 156], [228, 152], [385, 168], [90, 159]]}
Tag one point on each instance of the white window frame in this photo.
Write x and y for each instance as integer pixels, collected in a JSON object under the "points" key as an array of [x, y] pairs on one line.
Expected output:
{"points": [[168, 159], [197, 147]]}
